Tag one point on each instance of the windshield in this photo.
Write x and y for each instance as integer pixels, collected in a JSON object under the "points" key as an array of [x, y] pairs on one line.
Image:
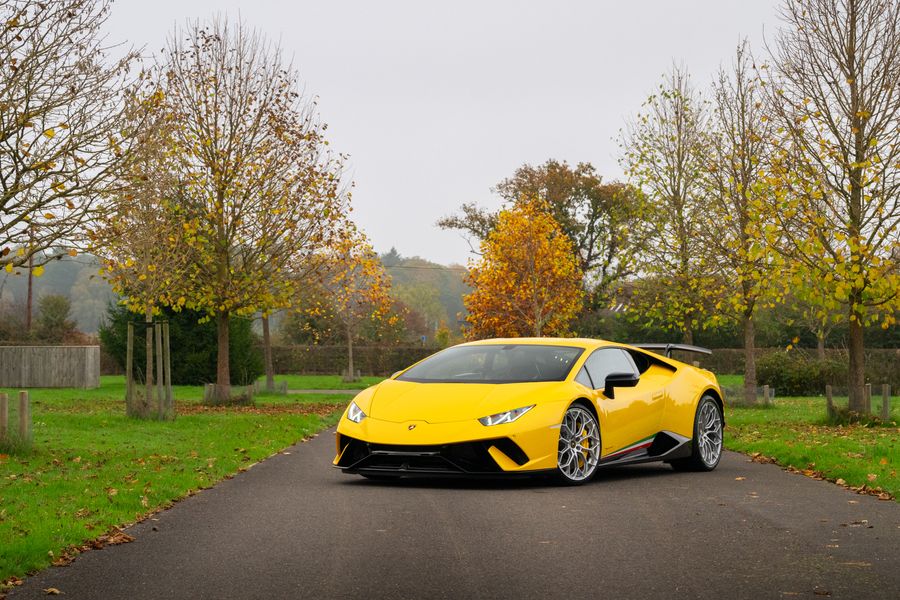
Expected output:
{"points": [[510, 363]]}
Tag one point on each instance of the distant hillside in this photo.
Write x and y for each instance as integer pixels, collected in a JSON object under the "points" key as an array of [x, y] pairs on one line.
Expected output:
{"points": [[434, 290], [76, 278]]}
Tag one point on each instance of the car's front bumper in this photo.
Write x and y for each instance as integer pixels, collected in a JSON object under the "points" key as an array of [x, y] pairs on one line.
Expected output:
{"points": [[463, 448]]}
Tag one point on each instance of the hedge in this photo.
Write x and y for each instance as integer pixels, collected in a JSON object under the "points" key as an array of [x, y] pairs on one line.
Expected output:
{"points": [[330, 360]]}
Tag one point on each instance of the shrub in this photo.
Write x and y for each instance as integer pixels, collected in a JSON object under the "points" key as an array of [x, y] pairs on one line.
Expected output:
{"points": [[193, 346], [54, 324], [796, 374]]}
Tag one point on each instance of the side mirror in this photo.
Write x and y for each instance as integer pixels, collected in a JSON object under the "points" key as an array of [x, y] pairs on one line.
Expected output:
{"points": [[614, 380]]}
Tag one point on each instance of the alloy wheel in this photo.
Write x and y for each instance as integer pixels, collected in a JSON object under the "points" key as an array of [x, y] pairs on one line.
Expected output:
{"points": [[710, 434], [579, 444]]}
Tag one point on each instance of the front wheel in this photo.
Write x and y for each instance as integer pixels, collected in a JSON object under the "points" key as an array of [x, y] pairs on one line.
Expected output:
{"points": [[706, 448], [579, 446]]}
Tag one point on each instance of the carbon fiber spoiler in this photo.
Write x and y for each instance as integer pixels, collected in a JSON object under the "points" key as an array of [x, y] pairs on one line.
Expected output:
{"points": [[668, 348]]}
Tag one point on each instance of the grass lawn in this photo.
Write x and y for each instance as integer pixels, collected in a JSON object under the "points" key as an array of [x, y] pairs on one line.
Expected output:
{"points": [[795, 434], [90, 468], [323, 382], [731, 381]]}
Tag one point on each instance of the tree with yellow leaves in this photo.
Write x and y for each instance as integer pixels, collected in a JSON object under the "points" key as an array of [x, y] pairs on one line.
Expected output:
{"points": [[736, 192], [257, 185], [238, 188], [664, 150], [353, 288], [833, 93], [527, 281], [140, 236]]}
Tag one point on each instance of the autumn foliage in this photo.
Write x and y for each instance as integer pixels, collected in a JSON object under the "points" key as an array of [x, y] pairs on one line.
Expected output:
{"points": [[527, 282]]}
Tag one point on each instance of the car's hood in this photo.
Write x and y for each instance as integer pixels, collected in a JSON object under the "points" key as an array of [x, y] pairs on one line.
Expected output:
{"points": [[400, 401]]}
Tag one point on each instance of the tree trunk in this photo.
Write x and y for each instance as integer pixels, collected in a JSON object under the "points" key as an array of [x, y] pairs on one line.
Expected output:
{"points": [[144, 404], [749, 360], [223, 370], [688, 337], [857, 373], [351, 372], [267, 354], [820, 344]]}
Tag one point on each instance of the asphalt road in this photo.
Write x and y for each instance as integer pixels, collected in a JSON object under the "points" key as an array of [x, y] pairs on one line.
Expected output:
{"points": [[293, 527]]}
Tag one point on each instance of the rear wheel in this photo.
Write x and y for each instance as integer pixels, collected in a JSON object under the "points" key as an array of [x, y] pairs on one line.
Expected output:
{"points": [[706, 447], [579, 446]]}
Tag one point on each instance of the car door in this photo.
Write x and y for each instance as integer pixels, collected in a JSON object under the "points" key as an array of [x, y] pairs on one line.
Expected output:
{"points": [[633, 414]]}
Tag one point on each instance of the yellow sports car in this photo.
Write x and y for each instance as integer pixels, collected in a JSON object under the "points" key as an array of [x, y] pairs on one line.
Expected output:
{"points": [[531, 405]]}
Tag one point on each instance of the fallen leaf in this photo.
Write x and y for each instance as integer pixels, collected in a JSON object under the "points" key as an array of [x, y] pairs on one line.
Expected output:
{"points": [[841, 482], [52, 591], [114, 538], [740, 478], [871, 476], [883, 461]]}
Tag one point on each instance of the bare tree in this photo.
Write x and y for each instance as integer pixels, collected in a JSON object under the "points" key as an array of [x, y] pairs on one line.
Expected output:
{"points": [[664, 155], [738, 193], [835, 91], [61, 135]]}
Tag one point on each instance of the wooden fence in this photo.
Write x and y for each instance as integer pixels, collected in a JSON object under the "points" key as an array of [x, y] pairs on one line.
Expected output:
{"points": [[49, 366]]}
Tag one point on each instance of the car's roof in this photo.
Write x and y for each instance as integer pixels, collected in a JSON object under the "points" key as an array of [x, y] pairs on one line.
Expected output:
{"points": [[543, 341]]}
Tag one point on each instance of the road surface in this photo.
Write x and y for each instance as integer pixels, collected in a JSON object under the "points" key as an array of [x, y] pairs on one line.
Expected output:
{"points": [[293, 527]]}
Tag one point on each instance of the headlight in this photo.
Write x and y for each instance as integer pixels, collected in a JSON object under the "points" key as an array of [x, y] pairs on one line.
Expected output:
{"points": [[355, 413], [504, 417]]}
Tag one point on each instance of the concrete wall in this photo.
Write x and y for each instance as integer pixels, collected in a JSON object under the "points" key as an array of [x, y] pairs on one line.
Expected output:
{"points": [[26, 367]]}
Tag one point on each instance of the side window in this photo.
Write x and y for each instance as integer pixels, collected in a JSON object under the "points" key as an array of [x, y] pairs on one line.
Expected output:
{"points": [[584, 379], [605, 361]]}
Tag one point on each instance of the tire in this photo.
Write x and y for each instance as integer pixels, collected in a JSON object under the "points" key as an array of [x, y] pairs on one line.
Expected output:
{"points": [[706, 447], [579, 446]]}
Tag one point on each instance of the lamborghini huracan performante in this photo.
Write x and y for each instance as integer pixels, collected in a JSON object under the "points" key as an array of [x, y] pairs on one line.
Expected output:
{"points": [[532, 405]]}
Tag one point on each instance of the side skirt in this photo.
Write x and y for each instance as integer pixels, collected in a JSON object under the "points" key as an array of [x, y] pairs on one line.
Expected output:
{"points": [[665, 446]]}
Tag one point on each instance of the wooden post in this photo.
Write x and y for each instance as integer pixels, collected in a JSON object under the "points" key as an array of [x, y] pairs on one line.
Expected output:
{"points": [[885, 402], [765, 395], [4, 417], [148, 378], [160, 380], [24, 417], [282, 387], [129, 375], [170, 400], [829, 402], [868, 398]]}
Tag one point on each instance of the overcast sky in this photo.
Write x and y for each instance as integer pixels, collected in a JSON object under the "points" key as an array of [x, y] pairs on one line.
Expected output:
{"points": [[435, 102]]}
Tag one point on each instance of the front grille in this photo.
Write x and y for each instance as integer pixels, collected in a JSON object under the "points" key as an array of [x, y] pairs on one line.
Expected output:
{"points": [[460, 458]]}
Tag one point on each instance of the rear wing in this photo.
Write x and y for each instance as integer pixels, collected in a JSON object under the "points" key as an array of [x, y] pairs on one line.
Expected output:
{"points": [[668, 348]]}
